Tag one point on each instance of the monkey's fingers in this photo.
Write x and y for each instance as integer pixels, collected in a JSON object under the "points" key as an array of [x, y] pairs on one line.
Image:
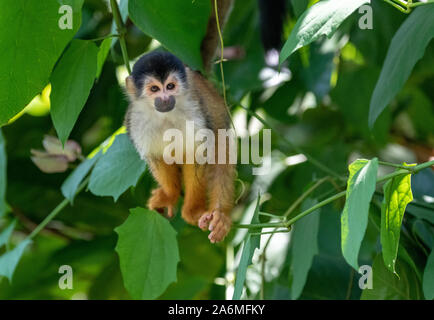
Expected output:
{"points": [[204, 221], [219, 226]]}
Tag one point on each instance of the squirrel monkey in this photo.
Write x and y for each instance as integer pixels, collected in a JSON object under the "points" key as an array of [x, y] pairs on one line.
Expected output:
{"points": [[163, 95]]}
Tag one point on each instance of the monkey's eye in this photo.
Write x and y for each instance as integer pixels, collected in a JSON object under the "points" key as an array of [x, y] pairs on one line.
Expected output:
{"points": [[170, 86], [154, 88]]}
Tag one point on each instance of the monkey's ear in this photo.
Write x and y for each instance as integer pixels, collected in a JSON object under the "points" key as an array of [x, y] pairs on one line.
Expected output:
{"points": [[131, 87]]}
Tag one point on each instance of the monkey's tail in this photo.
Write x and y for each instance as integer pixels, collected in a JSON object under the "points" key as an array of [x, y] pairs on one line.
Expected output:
{"points": [[271, 17]]}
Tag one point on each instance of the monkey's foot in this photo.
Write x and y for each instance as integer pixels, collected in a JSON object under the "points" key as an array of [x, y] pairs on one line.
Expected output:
{"points": [[159, 201], [218, 223]]}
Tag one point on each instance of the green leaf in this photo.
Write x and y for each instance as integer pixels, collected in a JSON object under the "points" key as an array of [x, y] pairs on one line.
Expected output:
{"points": [[70, 185], [251, 243], [6, 233], [3, 175], [407, 47], [354, 218], [428, 278], [323, 18], [148, 253], [304, 242], [180, 25], [118, 169], [71, 82], [9, 260], [397, 194], [103, 51], [31, 42], [386, 286]]}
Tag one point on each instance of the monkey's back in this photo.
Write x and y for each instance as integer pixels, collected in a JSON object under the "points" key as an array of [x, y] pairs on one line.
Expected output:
{"points": [[210, 101]]}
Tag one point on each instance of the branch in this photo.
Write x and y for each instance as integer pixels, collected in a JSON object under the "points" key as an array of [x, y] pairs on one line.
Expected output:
{"points": [[311, 159], [290, 222], [406, 6], [56, 210], [121, 31]]}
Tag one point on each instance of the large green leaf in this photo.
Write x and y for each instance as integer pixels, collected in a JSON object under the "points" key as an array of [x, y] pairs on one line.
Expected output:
{"points": [[323, 18], [70, 186], [251, 243], [304, 242], [30, 44], [386, 286], [148, 253], [354, 218], [397, 194], [117, 170], [3, 175], [9, 260], [71, 82], [179, 25], [407, 47], [428, 277]]}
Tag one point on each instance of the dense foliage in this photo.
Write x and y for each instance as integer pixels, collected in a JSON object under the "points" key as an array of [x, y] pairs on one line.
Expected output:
{"points": [[351, 182]]}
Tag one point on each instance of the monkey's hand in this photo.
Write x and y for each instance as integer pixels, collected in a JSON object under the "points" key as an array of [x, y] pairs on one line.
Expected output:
{"points": [[218, 223], [159, 201]]}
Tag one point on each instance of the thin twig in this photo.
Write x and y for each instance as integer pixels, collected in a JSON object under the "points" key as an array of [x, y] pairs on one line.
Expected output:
{"points": [[121, 31]]}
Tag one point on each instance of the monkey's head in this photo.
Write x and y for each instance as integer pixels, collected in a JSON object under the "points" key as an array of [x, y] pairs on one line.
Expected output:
{"points": [[158, 78]]}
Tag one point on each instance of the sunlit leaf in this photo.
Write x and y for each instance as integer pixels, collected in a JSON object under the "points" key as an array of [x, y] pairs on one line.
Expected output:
{"points": [[148, 253], [323, 18], [397, 194], [354, 219]]}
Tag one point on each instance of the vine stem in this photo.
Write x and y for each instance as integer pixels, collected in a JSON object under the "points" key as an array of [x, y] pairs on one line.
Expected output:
{"points": [[288, 228], [56, 210], [417, 4], [311, 159], [406, 6], [121, 31], [290, 222], [105, 37], [221, 51]]}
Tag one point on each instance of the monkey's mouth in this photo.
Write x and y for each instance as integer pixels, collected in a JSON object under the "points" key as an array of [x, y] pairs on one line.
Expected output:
{"points": [[165, 105], [165, 108]]}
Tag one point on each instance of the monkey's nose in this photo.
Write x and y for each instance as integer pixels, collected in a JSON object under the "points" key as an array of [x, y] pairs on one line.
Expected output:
{"points": [[165, 104]]}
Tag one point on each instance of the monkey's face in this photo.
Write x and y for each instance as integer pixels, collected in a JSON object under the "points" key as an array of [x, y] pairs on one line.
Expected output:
{"points": [[162, 93]]}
